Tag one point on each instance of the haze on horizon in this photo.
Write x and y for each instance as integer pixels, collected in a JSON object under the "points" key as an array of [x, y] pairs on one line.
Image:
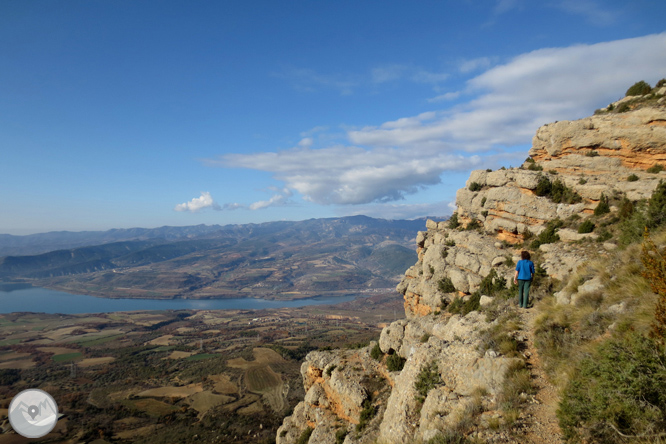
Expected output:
{"points": [[145, 114]]}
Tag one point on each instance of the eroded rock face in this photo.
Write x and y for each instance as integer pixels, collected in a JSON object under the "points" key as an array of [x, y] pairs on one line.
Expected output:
{"points": [[591, 156]]}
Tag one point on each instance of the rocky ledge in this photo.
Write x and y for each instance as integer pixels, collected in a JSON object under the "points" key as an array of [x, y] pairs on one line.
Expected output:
{"points": [[352, 397]]}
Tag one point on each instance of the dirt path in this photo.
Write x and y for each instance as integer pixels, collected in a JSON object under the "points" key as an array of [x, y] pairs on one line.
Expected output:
{"points": [[539, 420]]}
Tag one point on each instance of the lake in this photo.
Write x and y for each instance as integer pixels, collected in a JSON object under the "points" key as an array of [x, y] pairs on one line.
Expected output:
{"points": [[23, 298]]}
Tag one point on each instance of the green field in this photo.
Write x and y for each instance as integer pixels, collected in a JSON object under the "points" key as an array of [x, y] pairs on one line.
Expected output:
{"points": [[76, 356]]}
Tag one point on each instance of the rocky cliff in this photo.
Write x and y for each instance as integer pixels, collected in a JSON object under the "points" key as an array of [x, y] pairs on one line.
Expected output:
{"points": [[454, 371]]}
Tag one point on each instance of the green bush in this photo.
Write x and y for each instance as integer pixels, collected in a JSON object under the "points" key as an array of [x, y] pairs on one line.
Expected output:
{"points": [[639, 88], [592, 153], [484, 213], [654, 169], [632, 178], [427, 379], [544, 187], [623, 108], [473, 225], [453, 221], [305, 436], [557, 191], [425, 338], [475, 186], [656, 211], [660, 83], [340, 436], [483, 201], [602, 207], [376, 352], [445, 285], [462, 307], [395, 363], [622, 385], [586, 227], [535, 167], [492, 283], [547, 236], [330, 369], [369, 411]]}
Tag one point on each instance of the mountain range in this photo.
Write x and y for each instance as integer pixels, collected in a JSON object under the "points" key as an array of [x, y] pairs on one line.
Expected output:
{"points": [[274, 260]]}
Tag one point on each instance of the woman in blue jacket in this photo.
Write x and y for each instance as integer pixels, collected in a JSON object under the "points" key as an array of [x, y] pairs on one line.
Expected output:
{"points": [[523, 277]]}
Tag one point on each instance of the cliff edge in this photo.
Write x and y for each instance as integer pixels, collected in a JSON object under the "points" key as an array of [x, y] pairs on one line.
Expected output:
{"points": [[454, 365]]}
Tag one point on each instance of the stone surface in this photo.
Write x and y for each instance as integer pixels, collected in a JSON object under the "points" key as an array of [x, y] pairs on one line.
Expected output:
{"points": [[592, 156]]}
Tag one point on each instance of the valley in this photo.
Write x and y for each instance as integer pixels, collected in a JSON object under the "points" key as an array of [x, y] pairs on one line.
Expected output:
{"points": [[163, 376]]}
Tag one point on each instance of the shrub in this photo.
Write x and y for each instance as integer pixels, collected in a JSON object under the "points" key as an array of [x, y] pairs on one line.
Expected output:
{"points": [[639, 88], [453, 221], [602, 207], [534, 167], [425, 337], [305, 436], [547, 236], [592, 153], [654, 169], [427, 379], [450, 243], [492, 283], [632, 178], [330, 369], [489, 170], [473, 225], [517, 380], [483, 201], [655, 272], [660, 83], [622, 387], [553, 172], [475, 186], [340, 436], [557, 191], [582, 181], [529, 160], [656, 211], [543, 187], [560, 193], [367, 414], [586, 227], [623, 108], [445, 285], [376, 352], [484, 213], [395, 363]]}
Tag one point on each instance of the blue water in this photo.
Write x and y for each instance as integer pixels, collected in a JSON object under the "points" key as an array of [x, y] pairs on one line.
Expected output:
{"points": [[43, 300]]}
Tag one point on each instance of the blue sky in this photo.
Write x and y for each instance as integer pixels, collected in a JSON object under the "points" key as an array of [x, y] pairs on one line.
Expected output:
{"points": [[117, 114]]}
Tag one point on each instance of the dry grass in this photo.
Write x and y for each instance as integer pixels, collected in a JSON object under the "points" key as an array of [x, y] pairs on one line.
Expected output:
{"points": [[171, 392]]}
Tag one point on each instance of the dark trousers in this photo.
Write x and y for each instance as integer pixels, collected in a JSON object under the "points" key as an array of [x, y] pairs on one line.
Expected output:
{"points": [[523, 292]]}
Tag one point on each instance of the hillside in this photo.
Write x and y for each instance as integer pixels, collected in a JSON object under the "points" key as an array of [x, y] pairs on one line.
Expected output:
{"points": [[276, 260], [466, 365]]}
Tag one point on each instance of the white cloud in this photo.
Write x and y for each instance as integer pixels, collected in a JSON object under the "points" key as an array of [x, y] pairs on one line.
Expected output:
{"points": [[350, 175], [232, 206], [514, 99], [474, 64], [444, 97], [306, 142], [198, 203]]}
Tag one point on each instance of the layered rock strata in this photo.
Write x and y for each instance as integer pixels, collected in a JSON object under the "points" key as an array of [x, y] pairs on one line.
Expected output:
{"points": [[592, 156]]}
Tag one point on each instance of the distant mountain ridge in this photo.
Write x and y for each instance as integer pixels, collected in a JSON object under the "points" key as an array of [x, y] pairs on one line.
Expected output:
{"points": [[284, 260]]}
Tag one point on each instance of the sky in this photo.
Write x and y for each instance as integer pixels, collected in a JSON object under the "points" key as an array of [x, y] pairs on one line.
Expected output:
{"points": [[119, 114]]}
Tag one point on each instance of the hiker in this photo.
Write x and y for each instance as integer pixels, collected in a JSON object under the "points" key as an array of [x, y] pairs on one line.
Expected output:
{"points": [[523, 277]]}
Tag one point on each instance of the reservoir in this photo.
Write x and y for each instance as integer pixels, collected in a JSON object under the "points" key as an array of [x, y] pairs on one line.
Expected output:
{"points": [[21, 298]]}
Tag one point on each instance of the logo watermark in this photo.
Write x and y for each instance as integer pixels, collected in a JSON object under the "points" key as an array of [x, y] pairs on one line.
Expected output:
{"points": [[33, 413]]}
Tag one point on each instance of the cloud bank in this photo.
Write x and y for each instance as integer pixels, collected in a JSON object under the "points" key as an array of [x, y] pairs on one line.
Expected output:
{"points": [[507, 104]]}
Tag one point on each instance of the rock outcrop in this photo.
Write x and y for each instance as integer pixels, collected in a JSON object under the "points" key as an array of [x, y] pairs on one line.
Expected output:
{"points": [[354, 396]]}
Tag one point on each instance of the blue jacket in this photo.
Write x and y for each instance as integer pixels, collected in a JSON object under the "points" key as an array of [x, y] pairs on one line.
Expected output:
{"points": [[525, 269]]}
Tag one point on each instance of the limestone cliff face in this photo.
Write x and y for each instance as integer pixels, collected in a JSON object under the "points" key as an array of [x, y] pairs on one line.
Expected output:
{"points": [[591, 156]]}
